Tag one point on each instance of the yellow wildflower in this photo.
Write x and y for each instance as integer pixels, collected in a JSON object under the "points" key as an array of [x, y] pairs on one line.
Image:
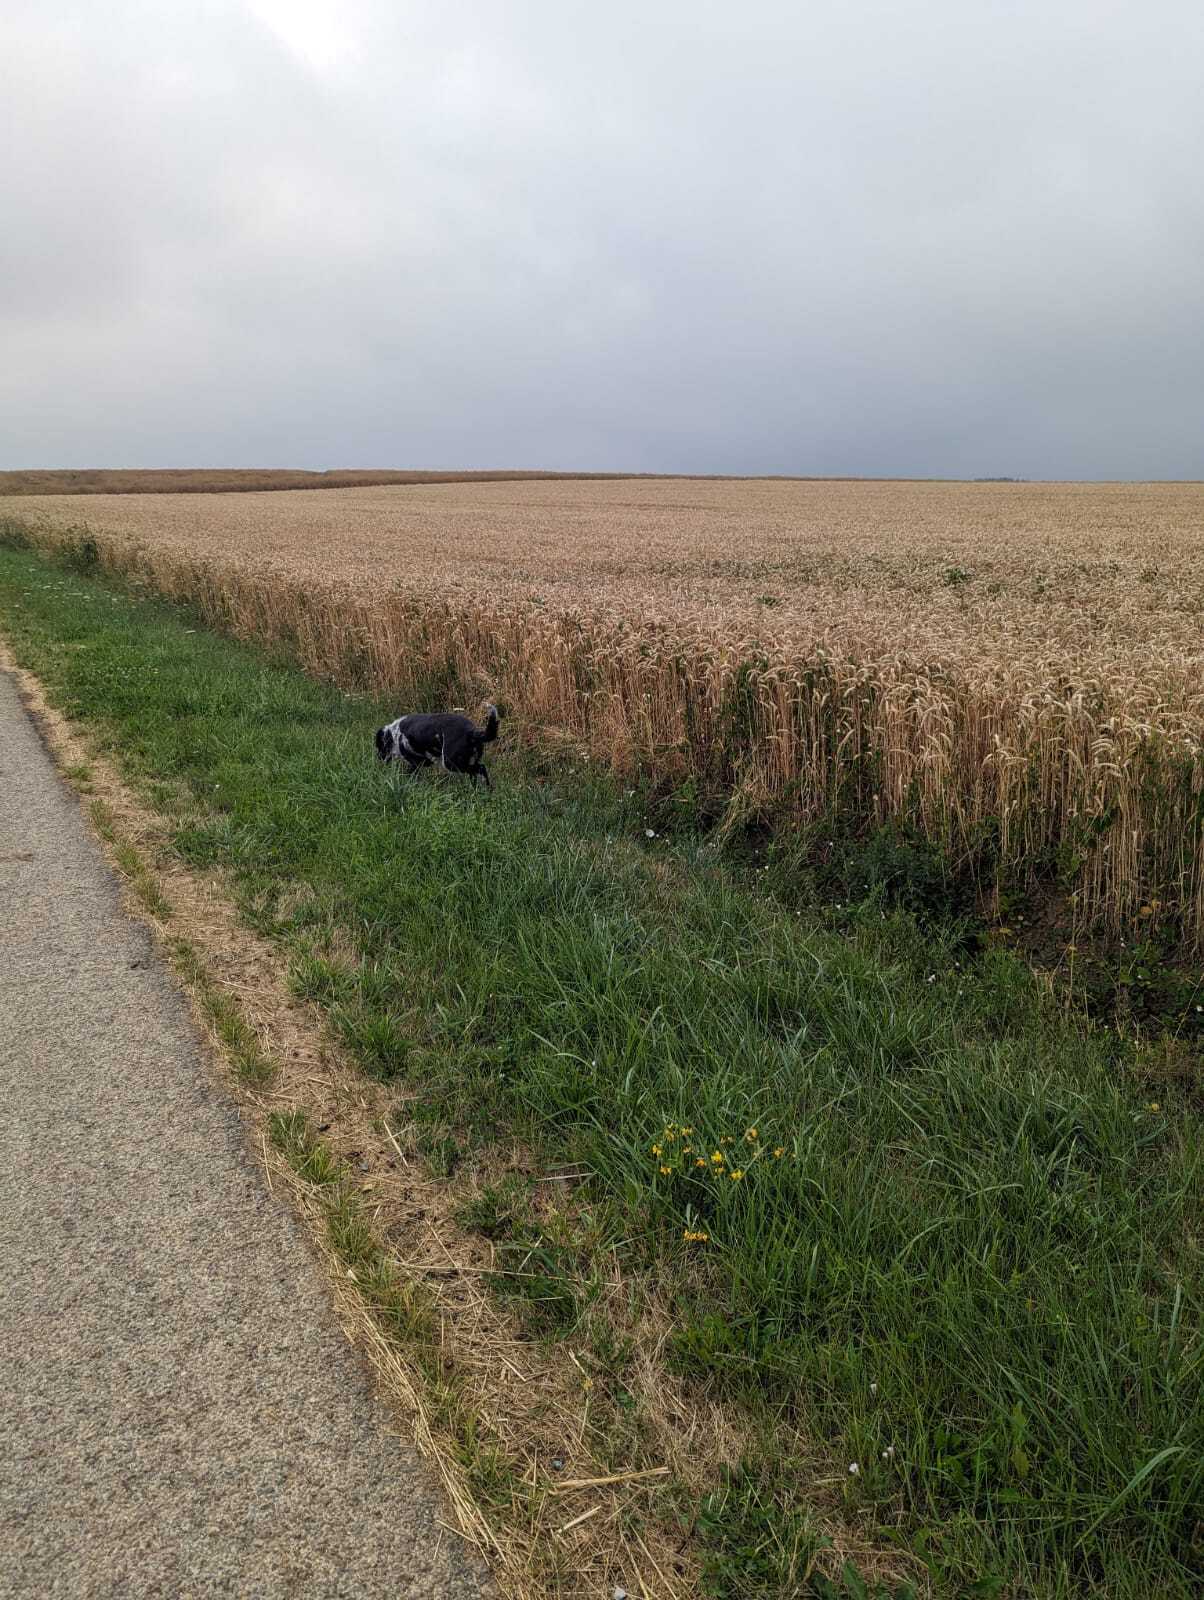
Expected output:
{"points": [[779, 1152], [717, 1158], [1154, 1106], [695, 1238], [666, 1171], [725, 1140], [751, 1135], [700, 1162], [656, 1149], [736, 1175], [687, 1131]]}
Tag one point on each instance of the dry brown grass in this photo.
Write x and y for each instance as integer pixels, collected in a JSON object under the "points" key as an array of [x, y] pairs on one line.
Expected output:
{"points": [[1014, 668]]}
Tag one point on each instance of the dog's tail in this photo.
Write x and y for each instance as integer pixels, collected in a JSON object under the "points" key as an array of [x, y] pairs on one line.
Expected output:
{"points": [[489, 731]]}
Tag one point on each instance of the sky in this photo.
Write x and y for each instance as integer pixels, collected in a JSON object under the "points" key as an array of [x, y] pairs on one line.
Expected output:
{"points": [[922, 238]]}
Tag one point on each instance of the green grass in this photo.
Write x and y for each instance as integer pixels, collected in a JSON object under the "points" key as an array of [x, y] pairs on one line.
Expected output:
{"points": [[974, 1270], [751, 1548]]}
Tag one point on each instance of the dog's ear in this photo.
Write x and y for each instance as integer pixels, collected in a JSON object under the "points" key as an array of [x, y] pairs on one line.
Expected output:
{"points": [[382, 740]]}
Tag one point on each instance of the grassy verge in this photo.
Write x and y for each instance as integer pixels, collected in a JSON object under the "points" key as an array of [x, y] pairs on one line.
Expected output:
{"points": [[905, 1215]]}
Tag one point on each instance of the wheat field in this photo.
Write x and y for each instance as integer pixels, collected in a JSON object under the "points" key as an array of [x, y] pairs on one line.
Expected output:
{"points": [[1017, 670], [217, 480]]}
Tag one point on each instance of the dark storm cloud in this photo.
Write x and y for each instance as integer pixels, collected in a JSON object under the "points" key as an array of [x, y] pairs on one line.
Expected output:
{"points": [[842, 237]]}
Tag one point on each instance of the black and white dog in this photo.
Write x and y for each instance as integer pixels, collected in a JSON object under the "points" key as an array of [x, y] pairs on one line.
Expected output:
{"points": [[453, 741]]}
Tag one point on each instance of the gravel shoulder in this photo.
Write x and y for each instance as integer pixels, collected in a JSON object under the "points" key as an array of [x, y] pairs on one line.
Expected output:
{"points": [[180, 1413]]}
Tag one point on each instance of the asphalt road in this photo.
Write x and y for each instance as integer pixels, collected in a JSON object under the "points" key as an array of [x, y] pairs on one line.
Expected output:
{"points": [[180, 1415]]}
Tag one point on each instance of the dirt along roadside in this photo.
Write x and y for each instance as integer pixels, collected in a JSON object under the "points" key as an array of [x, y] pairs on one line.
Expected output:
{"points": [[180, 1414]]}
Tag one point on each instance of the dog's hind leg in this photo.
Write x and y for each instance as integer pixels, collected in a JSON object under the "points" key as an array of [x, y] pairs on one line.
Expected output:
{"points": [[478, 769]]}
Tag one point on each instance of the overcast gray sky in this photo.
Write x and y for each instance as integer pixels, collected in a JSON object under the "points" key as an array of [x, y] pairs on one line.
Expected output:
{"points": [[950, 237]]}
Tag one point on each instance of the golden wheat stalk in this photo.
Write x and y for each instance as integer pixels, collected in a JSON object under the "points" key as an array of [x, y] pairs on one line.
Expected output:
{"points": [[1001, 666]]}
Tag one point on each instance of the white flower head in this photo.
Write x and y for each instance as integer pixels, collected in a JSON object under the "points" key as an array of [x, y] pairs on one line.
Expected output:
{"points": [[854, 1469]]}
